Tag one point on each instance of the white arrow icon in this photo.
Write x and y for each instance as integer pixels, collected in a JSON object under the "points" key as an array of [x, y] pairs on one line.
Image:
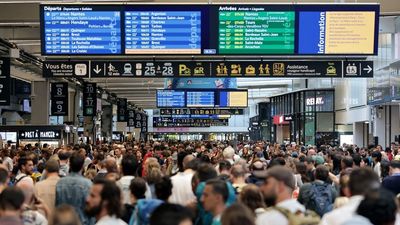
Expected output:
{"points": [[97, 69], [369, 69]]}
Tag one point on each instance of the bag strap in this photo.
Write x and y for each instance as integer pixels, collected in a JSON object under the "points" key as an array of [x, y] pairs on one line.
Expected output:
{"points": [[20, 179]]}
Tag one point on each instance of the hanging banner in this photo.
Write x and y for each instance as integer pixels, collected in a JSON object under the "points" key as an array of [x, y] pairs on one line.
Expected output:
{"points": [[5, 81], [89, 99], [59, 99], [122, 110]]}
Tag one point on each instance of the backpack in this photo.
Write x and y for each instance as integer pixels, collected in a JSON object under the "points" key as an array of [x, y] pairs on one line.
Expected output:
{"points": [[144, 209], [321, 198], [307, 218], [14, 181]]}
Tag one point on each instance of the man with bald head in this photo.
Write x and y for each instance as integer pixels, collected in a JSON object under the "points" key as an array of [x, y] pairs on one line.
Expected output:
{"points": [[182, 181]]}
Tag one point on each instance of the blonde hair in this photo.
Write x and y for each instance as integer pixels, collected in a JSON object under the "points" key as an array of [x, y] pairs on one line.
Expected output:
{"points": [[153, 170]]}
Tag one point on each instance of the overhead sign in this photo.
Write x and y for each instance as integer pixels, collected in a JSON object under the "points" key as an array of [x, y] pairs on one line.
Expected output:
{"points": [[170, 98], [222, 69], [81, 30], [89, 99], [65, 69], [192, 122], [59, 99], [144, 123], [138, 119], [203, 83], [5, 81], [358, 69], [39, 134], [209, 29], [122, 110], [131, 118], [202, 111]]}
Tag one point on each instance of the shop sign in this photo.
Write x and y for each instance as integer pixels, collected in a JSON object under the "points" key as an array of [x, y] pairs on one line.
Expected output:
{"points": [[279, 120], [288, 118], [315, 101], [36, 135]]}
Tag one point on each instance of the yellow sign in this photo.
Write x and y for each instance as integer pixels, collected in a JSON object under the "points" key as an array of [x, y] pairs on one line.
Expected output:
{"points": [[331, 70], [184, 70], [264, 70], [222, 70], [278, 69], [236, 70], [250, 70], [199, 71]]}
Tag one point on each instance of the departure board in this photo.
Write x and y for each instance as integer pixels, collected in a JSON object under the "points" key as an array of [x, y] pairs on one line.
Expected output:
{"points": [[73, 30], [200, 99], [163, 32], [256, 32], [170, 98]]}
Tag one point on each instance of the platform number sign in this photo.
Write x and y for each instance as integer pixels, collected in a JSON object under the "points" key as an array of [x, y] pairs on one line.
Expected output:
{"points": [[122, 110], [138, 120], [5, 81], [89, 99], [131, 118], [144, 123], [59, 99]]}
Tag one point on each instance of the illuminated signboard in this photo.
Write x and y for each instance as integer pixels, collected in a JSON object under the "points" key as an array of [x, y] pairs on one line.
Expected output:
{"points": [[80, 30], [200, 99], [233, 99], [170, 98]]}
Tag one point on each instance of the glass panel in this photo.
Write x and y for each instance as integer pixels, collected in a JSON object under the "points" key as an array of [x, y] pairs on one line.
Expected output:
{"points": [[309, 129], [325, 122]]}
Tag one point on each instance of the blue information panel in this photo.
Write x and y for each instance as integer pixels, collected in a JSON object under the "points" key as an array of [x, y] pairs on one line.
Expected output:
{"points": [[200, 99], [79, 30], [163, 32], [169, 98]]}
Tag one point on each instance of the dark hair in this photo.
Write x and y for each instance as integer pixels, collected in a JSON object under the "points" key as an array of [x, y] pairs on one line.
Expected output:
{"points": [[163, 188], [170, 214], [379, 207], [23, 161], [129, 165], [3, 175], [63, 155], [138, 187], [279, 161], [206, 172], [301, 169], [362, 180], [395, 164], [252, 197], [181, 156], [237, 214], [52, 166], [112, 194], [76, 162], [219, 187], [347, 161], [11, 198], [357, 159], [224, 165], [385, 167], [336, 160], [322, 173], [377, 155]]}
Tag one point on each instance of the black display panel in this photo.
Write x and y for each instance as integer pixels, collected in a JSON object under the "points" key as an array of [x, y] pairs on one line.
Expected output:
{"points": [[122, 110], [89, 99], [5, 81], [59, 99], [218, 29]]}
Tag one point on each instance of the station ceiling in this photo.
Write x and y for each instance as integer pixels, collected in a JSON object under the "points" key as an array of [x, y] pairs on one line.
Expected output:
{"points": [[19, 24]]}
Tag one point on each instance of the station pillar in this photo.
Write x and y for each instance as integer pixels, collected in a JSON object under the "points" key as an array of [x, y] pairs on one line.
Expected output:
{"points": [[40, 102]]}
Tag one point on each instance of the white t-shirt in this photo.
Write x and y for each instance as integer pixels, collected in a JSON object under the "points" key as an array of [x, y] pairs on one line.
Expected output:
{"points": [[110, 220], [342, 214], [124, 184], [182, 188]]}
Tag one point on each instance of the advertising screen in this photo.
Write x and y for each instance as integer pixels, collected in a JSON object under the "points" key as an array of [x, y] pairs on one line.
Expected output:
{"points": [[170, 98], [80, 30], [200, 99]]}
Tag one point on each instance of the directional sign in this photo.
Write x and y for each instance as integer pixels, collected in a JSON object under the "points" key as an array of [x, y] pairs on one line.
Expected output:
{"points": [[5, 81], [65, 69], [254, 69], [360, 69]]}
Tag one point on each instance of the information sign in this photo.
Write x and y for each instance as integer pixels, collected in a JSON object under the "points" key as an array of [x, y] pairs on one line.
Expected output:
{"points": [[59, 99], [89, 99]]}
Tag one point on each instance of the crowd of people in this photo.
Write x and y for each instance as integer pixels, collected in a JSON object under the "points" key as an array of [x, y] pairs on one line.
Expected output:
{"points": [[200, 183]]}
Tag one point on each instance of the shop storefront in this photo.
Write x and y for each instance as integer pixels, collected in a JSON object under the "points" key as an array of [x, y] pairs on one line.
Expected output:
{"points": [[305, 116], [52, 135]]}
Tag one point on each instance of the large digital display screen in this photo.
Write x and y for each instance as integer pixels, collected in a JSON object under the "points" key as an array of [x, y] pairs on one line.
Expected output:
{"points": [[255, 31], [168, 32], [81, 30], [170, 98], [200, 99], [336, 32], [210, 29], [233, 99]]}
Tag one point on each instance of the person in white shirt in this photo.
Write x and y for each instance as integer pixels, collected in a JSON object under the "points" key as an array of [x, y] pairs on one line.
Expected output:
{"points": [[277, 189], [104, 203], [128, 167], [182, 182], [361, 181]]}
